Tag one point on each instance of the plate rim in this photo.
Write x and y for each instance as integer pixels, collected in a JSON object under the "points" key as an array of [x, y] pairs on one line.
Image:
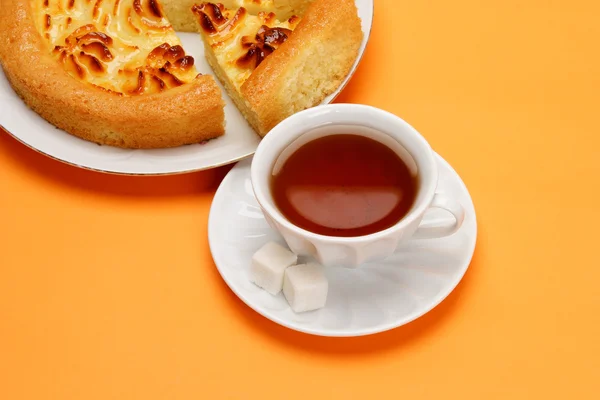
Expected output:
{"points": [[359, 332], [229, 161]]}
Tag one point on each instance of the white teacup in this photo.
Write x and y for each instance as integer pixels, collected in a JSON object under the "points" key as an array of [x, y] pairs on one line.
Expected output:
{"points": [[305, 126]]}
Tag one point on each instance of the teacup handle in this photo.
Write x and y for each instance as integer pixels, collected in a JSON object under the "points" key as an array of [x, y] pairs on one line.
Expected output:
{"points": [[437, 229]]}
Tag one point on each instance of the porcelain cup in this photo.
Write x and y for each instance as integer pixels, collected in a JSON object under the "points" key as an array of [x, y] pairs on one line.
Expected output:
{"points": [[379, 125]]}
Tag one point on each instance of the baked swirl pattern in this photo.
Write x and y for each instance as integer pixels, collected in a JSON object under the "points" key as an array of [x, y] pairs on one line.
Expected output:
{"points": [[126, 47], [243, 40]]}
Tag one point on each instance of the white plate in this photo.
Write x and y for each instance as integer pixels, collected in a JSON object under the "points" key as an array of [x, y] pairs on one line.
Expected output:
{"points": [[373, 298], [238, 142]]}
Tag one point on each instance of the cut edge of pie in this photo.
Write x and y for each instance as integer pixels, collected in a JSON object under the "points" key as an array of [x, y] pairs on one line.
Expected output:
{"points": [[295, 73], [187, 112]]}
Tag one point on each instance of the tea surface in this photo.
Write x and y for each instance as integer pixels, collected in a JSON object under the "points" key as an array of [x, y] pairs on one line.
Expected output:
{"points": [[344, 185]]}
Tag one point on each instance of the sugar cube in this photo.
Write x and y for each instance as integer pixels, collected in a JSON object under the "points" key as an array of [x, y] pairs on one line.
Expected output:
{"points": [[268, 266], [305, 287]]}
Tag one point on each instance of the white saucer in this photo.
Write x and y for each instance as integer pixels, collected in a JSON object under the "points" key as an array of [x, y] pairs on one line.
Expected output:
{"points": [[373, 298], [239, 140]]}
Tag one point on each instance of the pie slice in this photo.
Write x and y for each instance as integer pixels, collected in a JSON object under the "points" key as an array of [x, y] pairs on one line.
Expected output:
{"points": [[178, 11], [109, 71], [273, 69]]}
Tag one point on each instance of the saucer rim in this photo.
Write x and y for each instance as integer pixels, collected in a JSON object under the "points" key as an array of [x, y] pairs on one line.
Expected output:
{"points": [[355, 332]]}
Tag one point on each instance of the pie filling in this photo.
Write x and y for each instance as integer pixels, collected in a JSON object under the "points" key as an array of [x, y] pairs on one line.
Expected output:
{"points": [[127, 47], [241, 41], [284, 9]]}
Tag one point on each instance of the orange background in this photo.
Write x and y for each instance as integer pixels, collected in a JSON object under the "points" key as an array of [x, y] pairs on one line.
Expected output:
{"points": [[108, 289]]}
